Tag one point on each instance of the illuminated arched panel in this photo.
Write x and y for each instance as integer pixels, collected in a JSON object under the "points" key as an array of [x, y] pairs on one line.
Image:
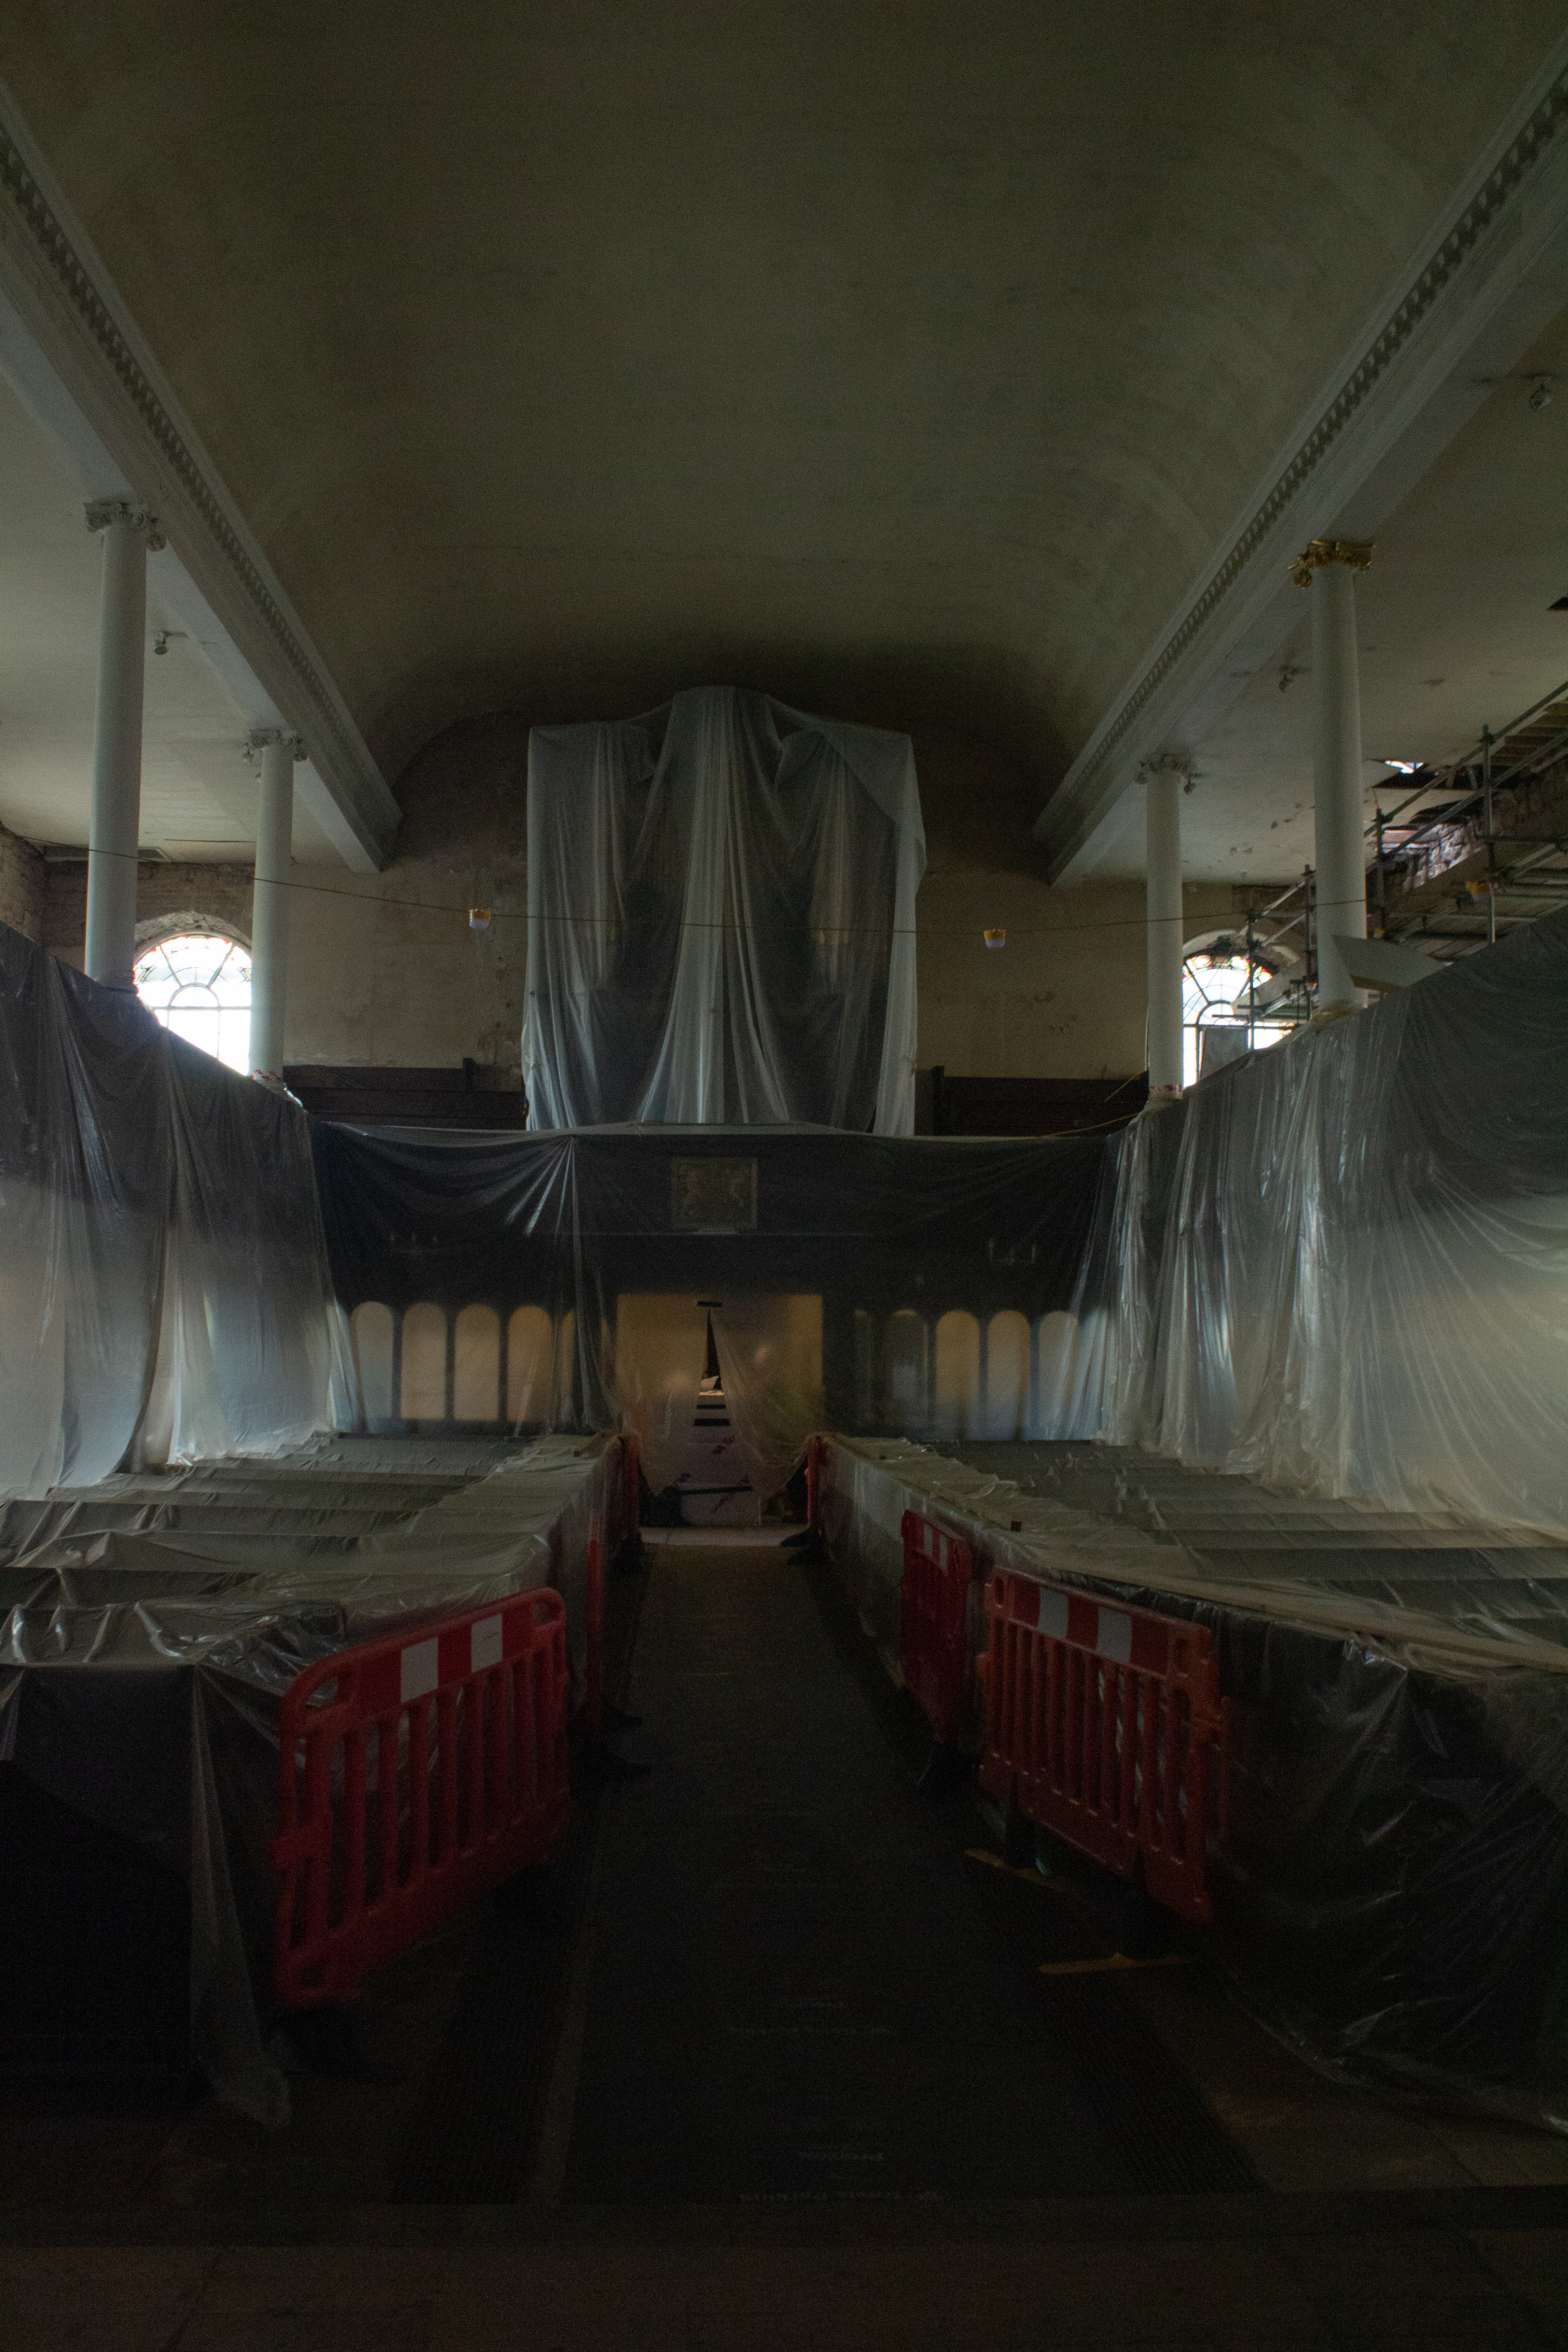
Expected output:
{"points": [[866, 1415], [957, 1374], [530, 1365], [476, 1365], [424, 1363], [1008, 1374], [1061, 1372], [370, 1335], [905, 1404]]}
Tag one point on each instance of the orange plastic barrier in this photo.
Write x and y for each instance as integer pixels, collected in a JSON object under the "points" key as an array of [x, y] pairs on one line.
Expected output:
{"points": [[933, 1607], [1104, 1725], [414, 1774]]}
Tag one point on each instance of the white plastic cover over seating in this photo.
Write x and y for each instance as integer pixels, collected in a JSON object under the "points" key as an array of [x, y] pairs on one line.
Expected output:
{"points": [[721, 918]]}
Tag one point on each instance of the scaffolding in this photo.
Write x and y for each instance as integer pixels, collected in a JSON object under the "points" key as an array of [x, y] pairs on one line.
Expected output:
{"points": [[1526, 873]]}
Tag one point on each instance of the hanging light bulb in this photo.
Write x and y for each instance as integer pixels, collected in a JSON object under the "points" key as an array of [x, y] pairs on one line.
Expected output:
{"points": [[478, 919], [996, 938]]}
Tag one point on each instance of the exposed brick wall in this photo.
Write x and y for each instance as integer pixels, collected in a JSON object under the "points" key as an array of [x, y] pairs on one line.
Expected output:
{"points": [[22, 876], [221, 893]]}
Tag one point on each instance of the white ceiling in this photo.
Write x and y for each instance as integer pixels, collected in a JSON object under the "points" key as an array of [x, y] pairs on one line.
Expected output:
{"points": [[199, 793], [1455, 633], [560, 360]]}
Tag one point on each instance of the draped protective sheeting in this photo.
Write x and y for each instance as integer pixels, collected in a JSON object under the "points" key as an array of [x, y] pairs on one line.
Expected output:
{"points": [[148, 1630], [1389, 1888], [770, 1359], [920, 1285], [1342, 1265], [163, 1274], [720, 919]]}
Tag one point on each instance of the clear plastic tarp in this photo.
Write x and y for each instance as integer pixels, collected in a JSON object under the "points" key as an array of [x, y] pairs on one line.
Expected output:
{"points": [[1342, 1265], [149, 1628], [164, 1286], [721, 918], [1389, 1894], [566, 1281]]}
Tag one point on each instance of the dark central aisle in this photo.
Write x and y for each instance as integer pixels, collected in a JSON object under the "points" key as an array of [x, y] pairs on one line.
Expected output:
{"points": [[796, 1989]]}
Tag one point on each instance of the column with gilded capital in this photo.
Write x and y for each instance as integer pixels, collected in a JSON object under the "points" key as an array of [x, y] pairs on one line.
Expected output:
{"points": [[1328, 569], [270, 912], [1162, 780], [129, 530]]}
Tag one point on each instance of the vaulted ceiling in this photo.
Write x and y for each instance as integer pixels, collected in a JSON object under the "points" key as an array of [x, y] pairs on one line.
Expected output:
{"points": [[906, 358]]}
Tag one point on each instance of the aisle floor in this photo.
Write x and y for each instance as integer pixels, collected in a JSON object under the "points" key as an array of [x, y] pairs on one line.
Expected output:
{"points": [[766, 2060], [799, 1989]]}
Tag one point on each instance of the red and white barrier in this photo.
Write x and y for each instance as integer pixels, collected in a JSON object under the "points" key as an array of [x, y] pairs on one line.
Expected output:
{"points": [[933, 1617], [414, 1774], [1105, 1725]]}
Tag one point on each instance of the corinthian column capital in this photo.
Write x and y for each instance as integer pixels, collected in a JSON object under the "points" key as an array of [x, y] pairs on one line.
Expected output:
{"points": [[1356, 552]]}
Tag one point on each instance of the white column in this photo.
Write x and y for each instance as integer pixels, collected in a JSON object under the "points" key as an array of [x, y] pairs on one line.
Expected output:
{"points": [[1162, 780], [1328, 569], [270, 912], [128, 531]]}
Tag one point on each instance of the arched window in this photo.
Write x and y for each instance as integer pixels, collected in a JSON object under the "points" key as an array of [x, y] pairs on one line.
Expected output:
{"points": [[1218, 986], [198, 984]]}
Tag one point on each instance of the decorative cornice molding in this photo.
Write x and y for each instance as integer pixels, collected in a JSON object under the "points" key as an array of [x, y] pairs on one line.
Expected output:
{"points": [[62, 277], [102, 512], [1478, 214], [1355, 552]]}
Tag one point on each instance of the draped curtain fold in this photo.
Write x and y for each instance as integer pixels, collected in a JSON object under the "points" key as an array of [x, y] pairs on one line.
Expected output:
{"points": [[722, 919]]}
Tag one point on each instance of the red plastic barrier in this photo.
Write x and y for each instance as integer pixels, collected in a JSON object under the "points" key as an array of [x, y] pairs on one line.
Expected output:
{"points": [[415, 1773], [933, 1607], [1103, 1724], [594, 1614]]}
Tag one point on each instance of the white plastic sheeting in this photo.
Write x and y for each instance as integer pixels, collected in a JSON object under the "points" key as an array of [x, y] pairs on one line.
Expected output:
{"points": [[1342, 1265], [721, 918], [163, 1273], [661, 1345], [142, 1665], [770, 1355], [1388, 1889]]}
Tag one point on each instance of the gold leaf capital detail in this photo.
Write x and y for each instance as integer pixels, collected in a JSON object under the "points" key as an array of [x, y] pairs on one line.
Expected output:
{"points": [[1356, 552]]}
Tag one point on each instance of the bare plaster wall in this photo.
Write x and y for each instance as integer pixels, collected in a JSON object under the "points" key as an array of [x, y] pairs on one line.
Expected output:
{"points": [[222, 893], [385, 970], [21, 885]]}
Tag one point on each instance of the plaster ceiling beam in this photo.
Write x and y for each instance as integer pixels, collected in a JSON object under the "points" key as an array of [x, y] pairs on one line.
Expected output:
{"points": [[1489, 280], [78, 363]]}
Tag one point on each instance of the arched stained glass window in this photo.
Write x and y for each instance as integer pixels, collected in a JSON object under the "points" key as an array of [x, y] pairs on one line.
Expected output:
{"points": [[198, 985]]}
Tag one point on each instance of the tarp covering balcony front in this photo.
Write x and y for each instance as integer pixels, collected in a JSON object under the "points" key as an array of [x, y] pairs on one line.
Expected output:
{"points": [[163, 1276], [1341, 1265], [721, 918], [565, 1281]]}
